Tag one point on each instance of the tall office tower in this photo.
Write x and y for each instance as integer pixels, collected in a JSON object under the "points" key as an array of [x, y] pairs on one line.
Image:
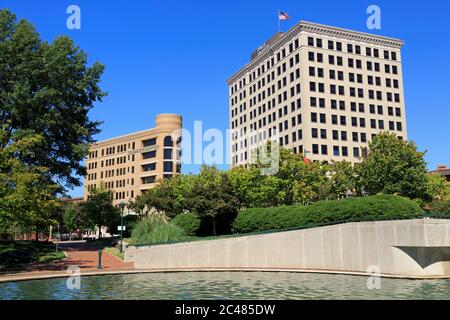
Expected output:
{"points": [[318, 90], [130, 164]]}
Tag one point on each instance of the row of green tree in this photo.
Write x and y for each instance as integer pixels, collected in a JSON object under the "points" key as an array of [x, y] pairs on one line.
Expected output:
{"points": [[97, 212], [392, 166]]}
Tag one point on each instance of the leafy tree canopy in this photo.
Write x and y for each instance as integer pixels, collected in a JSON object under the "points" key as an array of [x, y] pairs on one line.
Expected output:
{"points": [[393, 166], [47, 89], [99, 210]]}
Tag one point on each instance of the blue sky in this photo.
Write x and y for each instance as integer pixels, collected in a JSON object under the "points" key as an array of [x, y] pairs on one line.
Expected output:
{"points": [[175, 56]]}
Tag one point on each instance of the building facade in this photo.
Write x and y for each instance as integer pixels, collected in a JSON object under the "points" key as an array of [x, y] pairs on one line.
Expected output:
{"points": [[320, 91], [130, 164]]}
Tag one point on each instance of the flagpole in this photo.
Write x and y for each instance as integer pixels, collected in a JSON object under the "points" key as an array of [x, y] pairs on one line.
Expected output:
{"points": [[278, 17]]}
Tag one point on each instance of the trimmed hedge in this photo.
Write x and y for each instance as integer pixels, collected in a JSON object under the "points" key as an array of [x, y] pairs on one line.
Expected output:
{"points": [[261, 219], [189, 222], [380, 207]]}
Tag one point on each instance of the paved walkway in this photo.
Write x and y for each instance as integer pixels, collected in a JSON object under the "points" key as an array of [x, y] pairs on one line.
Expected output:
{"points": [[81, 254]]}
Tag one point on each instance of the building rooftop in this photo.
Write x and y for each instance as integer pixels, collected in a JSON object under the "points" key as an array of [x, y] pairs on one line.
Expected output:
{"points": [[162, 120], [280, 38]]}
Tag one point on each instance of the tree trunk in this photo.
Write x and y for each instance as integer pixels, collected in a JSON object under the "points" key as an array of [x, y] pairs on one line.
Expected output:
{"points": [[214, 227]]}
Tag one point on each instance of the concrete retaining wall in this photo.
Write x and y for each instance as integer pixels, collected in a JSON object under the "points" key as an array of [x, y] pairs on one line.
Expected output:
{"points": [[404, 248]]}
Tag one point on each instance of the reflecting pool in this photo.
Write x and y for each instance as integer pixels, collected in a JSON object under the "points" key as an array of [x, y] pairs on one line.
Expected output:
{"points": [[226, 285]]}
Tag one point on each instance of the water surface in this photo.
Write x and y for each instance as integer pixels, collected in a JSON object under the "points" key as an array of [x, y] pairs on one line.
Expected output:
{"points": [[226, 285]]}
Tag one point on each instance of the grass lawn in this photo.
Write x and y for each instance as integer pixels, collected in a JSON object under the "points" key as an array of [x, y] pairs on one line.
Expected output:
{"points": [[115, 252], [15, 255]]}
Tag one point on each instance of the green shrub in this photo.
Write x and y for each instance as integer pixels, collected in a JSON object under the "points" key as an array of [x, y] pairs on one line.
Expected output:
{"points": [[261, 219], [380, 207], [189, 222], [147, 231], [439, 209]]}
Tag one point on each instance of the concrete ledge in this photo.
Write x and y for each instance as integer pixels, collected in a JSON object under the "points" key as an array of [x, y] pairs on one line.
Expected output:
{"points": [[347, 248], [27, 277]]}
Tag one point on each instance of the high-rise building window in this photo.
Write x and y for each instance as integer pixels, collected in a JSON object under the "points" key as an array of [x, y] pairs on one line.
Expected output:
{"points": [[315, 149], [168, 166], [149, 155], [168, 153], [336, 151], [149, 142], [149, 167], [148, 180], [168, 141]]}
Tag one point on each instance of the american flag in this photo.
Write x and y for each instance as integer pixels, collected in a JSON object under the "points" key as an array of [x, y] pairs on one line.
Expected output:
{"points": [[283, 15]]}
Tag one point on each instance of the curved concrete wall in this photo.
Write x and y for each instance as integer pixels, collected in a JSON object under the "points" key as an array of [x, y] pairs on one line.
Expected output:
{"points": [[404, 248]]}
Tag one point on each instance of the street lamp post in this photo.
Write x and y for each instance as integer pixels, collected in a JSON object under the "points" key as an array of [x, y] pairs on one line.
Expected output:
{"points": [[57, 239], [122, 207]]}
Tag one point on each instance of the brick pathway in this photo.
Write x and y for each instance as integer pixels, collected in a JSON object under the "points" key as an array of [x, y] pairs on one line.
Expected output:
{"points": [[80, 254], [85, 257]]}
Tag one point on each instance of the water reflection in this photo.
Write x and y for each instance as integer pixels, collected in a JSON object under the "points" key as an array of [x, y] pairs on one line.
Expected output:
{"points": [[225, 285]]}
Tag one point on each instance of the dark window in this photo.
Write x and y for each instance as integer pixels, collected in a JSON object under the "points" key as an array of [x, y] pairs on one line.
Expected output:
{"points": [[148, 143], [393, 55], [344, 151], [149, 167], [330, 45], [168, 166], [322, 118], [315, 149], [363, 137], [335, 150], [349, 48], [319, 57], [148, 180], [168, 141], [335, 135], [149, 155], [168, 153], [319, 43], [334, 119]]}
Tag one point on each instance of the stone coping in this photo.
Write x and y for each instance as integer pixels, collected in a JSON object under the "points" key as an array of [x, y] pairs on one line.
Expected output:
{"points": [[32, 276]]}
